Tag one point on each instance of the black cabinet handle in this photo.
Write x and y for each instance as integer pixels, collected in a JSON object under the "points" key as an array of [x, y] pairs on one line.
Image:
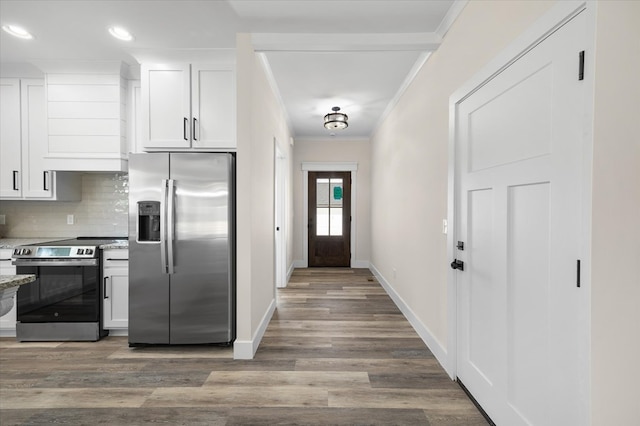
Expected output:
{"points": [[457, 264], [185, 123], [45, 180], [15, 180], [195, 124], [104, 288]]}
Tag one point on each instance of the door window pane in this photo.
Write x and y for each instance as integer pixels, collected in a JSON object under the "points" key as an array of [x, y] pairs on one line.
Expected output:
{"points": [[322, 192], [335, 193], [329, 196], [322, 221], [336, 222]]}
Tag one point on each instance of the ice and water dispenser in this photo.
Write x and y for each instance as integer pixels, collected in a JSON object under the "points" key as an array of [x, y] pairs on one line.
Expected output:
{"points": [[148, 221]]}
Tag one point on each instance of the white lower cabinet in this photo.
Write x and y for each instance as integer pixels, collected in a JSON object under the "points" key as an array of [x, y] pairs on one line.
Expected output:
{"points": [[8, 321], [115, 298]]}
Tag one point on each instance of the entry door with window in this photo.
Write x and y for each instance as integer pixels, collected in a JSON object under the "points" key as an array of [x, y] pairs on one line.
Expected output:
{"points": [[329, 219]]}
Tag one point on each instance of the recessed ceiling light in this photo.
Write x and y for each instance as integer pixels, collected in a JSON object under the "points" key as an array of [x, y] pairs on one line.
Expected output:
{"points": [[17, 31], [120, 33]]}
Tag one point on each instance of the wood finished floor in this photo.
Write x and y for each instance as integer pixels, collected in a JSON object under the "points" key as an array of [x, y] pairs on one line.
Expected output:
{"points": [[337, 352]]}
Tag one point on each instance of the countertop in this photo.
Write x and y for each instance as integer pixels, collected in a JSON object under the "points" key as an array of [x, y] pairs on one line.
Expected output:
{"points": [[116, 244], [10, 243], [8, 281]]}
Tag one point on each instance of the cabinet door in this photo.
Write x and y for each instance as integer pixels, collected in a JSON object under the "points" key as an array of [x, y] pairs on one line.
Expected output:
{"points": [[166, 106], [116, 298], [36, 179], [8, 321], [213, 100], [10, 141]]}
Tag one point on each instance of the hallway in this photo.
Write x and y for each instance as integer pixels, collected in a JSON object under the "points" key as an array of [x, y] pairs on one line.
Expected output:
{"points": [[337, 352]]}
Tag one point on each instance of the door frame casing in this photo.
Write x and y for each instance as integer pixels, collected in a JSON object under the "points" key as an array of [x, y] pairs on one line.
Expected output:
{"points": [[556, 17], [280, 216], [328, 167]]}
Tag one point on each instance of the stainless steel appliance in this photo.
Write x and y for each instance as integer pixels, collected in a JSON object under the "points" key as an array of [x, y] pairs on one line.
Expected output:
{"points": [[181, 248], [65, 301]]}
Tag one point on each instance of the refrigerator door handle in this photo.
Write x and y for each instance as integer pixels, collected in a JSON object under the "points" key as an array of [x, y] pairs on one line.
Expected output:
{"points": [[170, 224], [163, 226]]}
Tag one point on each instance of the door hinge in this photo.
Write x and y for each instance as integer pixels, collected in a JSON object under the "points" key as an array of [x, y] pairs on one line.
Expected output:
{"points": [[578, 273], [581, 65]]}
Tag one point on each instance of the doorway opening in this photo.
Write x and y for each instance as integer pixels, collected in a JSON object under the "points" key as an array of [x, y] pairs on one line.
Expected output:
{"points": [[329, 219], [348, 213]]}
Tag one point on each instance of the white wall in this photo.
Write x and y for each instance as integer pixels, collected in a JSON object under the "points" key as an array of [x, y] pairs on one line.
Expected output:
{"points": [[260, 119], [327, 151], [409, 160], [615, 293]]}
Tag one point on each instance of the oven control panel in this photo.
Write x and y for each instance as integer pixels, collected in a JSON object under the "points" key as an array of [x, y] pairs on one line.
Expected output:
{"points": [[57, 252]]}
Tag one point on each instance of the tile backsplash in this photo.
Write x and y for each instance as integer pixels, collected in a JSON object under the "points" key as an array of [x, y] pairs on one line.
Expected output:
{"points": [[103, 211]]}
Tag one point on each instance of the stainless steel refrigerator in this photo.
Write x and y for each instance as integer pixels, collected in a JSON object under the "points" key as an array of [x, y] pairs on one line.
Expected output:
{"points": [[181, 248]]}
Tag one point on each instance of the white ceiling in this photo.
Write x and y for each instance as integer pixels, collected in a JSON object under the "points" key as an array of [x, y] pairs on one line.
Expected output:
{"points": [[356, 54]]}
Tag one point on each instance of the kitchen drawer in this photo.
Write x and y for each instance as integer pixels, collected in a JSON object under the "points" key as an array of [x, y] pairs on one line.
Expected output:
{"points": [[115, 258]]}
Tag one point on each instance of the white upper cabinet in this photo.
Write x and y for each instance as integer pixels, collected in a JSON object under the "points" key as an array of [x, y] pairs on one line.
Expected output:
{"points": [[188, 107], [23, 146], [10, 140], [86, 118], [213, 103], [166, 106]]}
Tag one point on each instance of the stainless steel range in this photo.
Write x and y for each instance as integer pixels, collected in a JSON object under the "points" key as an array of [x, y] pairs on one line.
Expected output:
{"points": [[64, 303]]}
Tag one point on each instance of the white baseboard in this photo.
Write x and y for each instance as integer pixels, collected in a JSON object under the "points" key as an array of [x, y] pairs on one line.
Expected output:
{"points": [[423, 331], [290, 271], [360, 264], [299, 264], [246, 349], [8, 332]]}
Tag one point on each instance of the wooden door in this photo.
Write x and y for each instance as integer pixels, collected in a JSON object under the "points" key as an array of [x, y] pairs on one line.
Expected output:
{"points": [[521, 314], [329, 219]]}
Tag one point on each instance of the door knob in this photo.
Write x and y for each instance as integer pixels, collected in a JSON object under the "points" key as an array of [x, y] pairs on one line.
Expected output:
{"points": [[457, 264]]}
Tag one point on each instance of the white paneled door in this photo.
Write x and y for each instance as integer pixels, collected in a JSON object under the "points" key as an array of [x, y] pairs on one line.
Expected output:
{"points": [[522, 327]]}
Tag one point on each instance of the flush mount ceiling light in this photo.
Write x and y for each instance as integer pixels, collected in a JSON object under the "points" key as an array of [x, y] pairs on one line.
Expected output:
{"points": [[17, 31], [120, 33], [336, 120]]}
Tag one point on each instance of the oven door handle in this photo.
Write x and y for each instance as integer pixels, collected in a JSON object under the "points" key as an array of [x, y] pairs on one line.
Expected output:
{"points": [[75, 262]]}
